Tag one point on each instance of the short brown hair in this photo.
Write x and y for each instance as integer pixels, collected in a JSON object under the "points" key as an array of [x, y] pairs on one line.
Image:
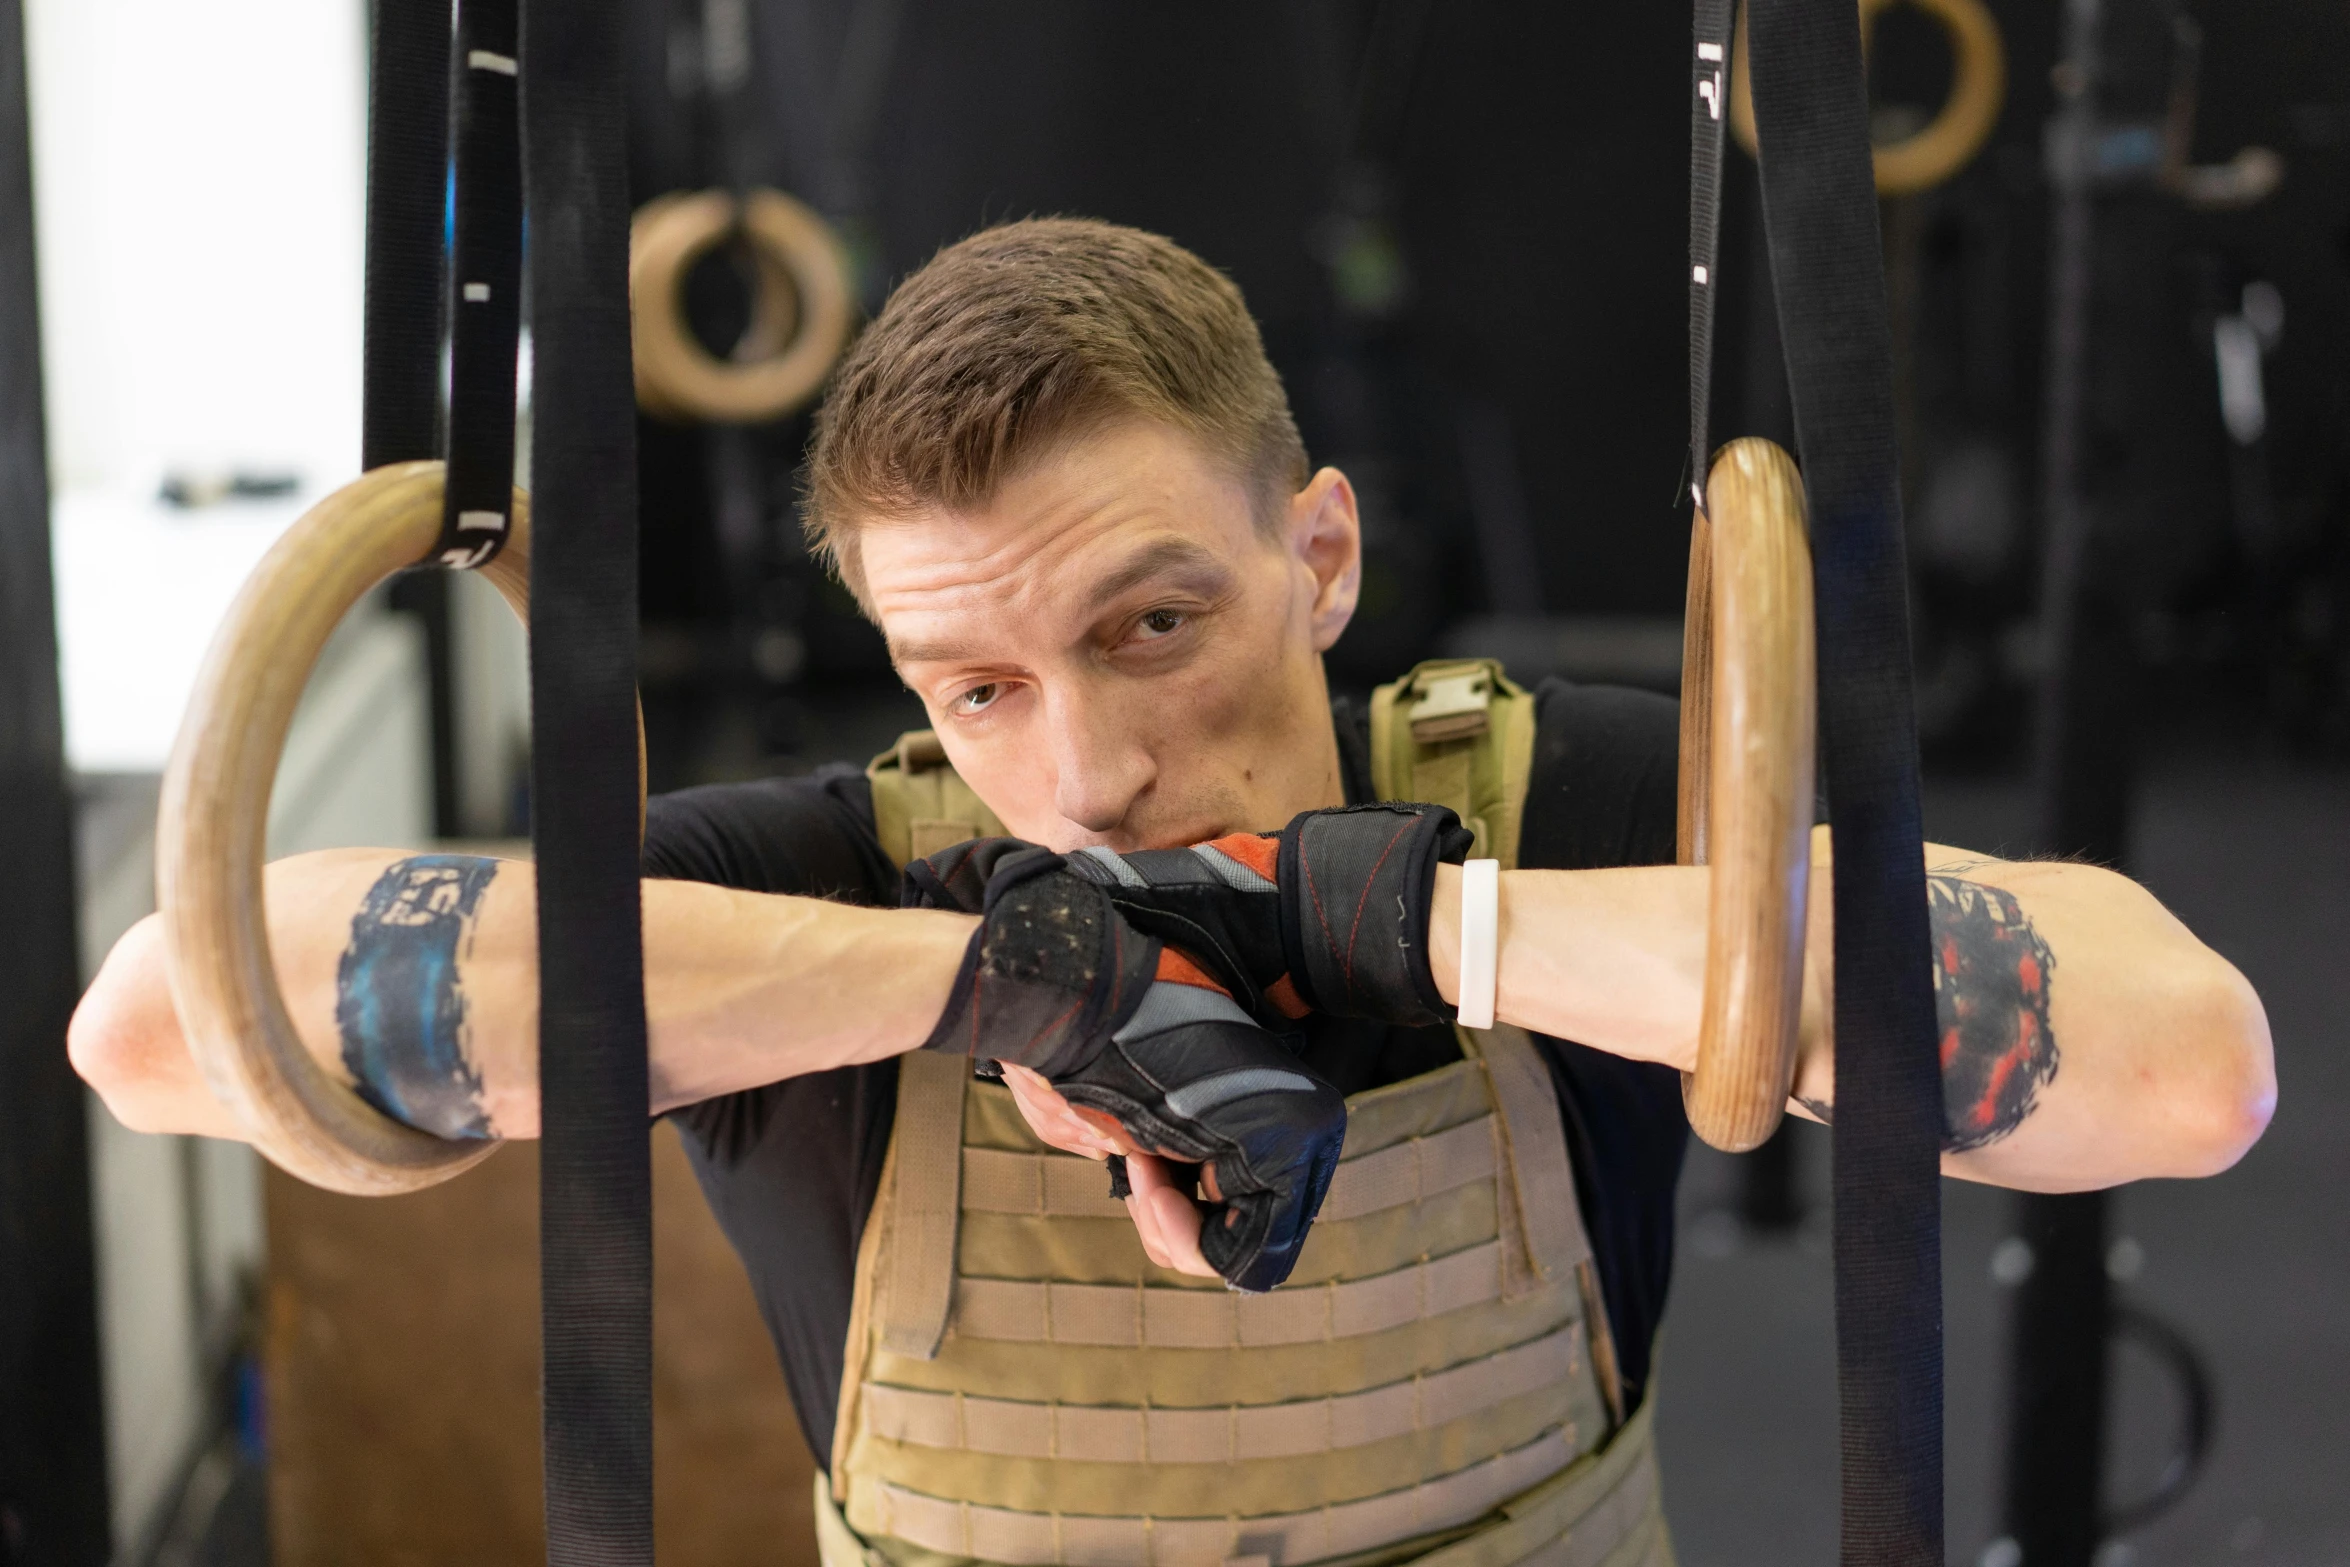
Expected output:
{"points": [[1023, 336]]}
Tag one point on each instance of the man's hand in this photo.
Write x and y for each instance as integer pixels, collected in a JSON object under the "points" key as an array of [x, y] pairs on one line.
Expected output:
{"points": [[1142, 1047], [1329, 915], [1166, 1211]]}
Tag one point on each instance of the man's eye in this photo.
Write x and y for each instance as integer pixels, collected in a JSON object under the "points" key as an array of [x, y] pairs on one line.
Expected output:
{"points": [[1161, 622], [978, 698]]}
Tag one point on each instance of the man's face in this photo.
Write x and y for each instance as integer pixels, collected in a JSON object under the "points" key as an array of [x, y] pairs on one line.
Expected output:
{"points": [[1113, 653]]}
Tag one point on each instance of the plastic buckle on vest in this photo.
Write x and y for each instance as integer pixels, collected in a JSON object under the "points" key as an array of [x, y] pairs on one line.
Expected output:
{"points": [[1452, 706]]}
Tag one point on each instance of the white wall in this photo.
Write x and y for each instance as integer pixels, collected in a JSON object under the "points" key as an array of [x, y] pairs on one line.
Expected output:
{"points": [[199, 187], [492, 656], [179, 1219]]}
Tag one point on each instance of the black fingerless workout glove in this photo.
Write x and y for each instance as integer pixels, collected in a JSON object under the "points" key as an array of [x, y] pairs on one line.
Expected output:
{"points": [[1052, 971], [1191, 1075], [1055, 979], [1329, 915]]}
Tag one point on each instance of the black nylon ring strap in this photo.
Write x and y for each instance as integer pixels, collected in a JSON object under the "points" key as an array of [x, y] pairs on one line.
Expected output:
{"points": [[1820, 211], [1709, 99], [407, 187], [484, 284], [595, 1225]]}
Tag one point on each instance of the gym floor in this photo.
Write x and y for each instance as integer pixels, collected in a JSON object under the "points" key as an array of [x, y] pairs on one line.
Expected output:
{"points": [[2252, 1266]]}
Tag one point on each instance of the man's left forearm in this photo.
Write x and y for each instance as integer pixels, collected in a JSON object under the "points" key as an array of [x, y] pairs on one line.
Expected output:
{"points": [[2086, 1036]]}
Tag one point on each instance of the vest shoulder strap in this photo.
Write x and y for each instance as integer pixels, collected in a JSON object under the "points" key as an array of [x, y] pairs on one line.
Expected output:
{"points": [[920, 803], [1458, 732], [1452, 732]]}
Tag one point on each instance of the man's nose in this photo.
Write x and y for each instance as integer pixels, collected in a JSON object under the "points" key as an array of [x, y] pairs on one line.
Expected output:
{"points": [[1100, 770]]}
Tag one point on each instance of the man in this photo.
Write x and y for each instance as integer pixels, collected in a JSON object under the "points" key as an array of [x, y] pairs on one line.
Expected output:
{"points": [[1060, 475]]}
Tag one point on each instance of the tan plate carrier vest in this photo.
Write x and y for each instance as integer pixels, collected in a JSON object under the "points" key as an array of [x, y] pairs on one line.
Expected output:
{"points": [[1434, 1384]]}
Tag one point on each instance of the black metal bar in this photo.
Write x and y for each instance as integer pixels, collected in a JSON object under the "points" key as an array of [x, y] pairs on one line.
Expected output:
{"points": [[2056, 1381], [1769, 1200], [2072, 255], [2058, 1324], [52, 1421], [595, 1226]]}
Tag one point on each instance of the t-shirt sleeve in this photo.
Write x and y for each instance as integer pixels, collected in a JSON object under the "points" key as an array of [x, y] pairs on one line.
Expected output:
{"points": [[810, 836], [807, 837], [1604, 792], [790, 1169]]}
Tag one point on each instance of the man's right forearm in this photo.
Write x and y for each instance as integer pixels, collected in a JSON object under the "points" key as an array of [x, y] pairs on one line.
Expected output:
{"points": [[741, 989]]}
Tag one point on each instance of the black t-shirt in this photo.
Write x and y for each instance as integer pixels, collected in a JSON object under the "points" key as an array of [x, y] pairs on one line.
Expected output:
{"points": [[790, 1169]]}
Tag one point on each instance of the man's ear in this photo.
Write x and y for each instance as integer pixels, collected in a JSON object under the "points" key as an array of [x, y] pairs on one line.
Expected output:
{"points": [[1326, 536]]}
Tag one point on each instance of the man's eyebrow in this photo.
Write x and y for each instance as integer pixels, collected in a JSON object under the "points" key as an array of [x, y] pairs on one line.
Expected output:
{"points": [[1174, 557], [929, 652], [1165, 557]]}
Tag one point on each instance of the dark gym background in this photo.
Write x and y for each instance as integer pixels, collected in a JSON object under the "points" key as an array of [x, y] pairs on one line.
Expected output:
{"points": [[1463, 228]]}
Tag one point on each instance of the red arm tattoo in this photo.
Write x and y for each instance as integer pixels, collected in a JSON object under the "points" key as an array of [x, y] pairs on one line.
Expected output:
{"points": [[1991, 975], [1991, 1008]]}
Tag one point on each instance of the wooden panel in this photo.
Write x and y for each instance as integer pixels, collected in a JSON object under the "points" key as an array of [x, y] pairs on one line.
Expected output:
{"points": [[403, 1380]]}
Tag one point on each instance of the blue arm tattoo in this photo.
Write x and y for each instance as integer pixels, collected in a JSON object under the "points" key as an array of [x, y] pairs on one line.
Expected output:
{"points": [[398, 1003]]}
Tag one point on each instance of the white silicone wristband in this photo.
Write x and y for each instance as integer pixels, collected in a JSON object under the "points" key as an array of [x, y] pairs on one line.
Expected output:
{"points": [[1480, 941]]}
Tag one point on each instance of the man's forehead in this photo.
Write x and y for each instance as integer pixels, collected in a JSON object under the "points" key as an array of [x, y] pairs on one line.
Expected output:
{"points": [[1120, 508], [944, 625]]}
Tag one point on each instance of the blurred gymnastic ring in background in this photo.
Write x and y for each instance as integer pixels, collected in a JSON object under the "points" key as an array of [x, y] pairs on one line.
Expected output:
{"points": [[1749, 718], [1978, 85], [802, 309], [211, 832]]}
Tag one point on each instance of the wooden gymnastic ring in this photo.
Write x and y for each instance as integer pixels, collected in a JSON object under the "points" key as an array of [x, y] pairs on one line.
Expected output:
{"points": [[211, 832], [775, 304], [1978, 85], [1748, 720], [801, 314]]}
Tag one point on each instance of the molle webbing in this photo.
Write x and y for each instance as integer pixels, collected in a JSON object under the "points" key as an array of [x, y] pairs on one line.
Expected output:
{"points": [[1052, 1186], [920, 804], [1601, 1511], [925, 1200], [1139, 1317], [1234, 1433], [999, 1534], [1429, 1362], [1534, 1157], [1401, 1175], [1457, 732]]}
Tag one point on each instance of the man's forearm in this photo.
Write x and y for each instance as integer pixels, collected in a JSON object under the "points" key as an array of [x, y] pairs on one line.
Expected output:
{"points": [[1611, 958], [415, 977], [2086, 1037]]}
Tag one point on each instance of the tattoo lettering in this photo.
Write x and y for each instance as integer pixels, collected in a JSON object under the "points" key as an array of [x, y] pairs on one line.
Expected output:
{"points": [[1819, 1107], [398, 1003], [1991, 973]]}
